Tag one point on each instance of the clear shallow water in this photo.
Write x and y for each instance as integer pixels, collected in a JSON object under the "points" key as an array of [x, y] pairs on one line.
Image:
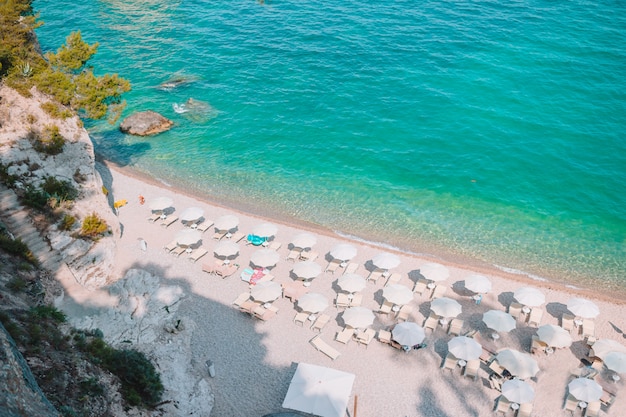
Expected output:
{"points": [[493, 131]]}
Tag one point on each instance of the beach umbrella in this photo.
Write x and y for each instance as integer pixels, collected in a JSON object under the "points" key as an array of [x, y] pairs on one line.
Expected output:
{"points": [[304, 240], [518, 391], [386, 260], [266, 230], [160, 203], [517, 363], [266, 291], [319, 391], [188, 237], [585, 389], [397, 294], [434, 272], [583, 308], [615, 361], [226, 248], [465, 348], [446, 307], [343, 252], [499, 321], [351, 282], [554, 336], [408, 333], [358, 317], [265, 258], [306, 270], [478, 283], [313, 302], [602, 347], [529, 296], [227, 222], [191, 214]]}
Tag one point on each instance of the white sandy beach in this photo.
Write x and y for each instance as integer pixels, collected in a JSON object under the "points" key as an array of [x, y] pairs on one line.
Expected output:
{"points": [[255, 360]]}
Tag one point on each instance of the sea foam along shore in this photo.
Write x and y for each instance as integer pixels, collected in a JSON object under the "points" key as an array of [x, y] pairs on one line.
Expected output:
{"points": [[255, 360]]}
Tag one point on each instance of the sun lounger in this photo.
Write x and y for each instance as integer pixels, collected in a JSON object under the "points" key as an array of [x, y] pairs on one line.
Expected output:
{"points": [[356, 301], [593, 409], [178, 250], [496, 368], [293, 254], [171, 246], [607, 398], [168, 221], [205, 225], [404, 313], [567, 322], [308, 256], [384, 336], [209, 267], [342, 300], [420, 286], [248, 307], [502, 405], [571, 403], [588, 328], [449, 362], [242, 298], [438, 292], [324, 347], [351, 268], [301, 318], [393, 279], [265, 313], [515, 309], [385, 307], [534, 319], [375, 275], [456, 325], [525, 410], [219, 234], [225, 271], [321, 321], [431, 322], [333, 266], [537, 346], [154, 217], [471, 369], [495, 382], [197, 254], [365, 337], [345, 335], [236, 237], [471, 333], [274, 245]]}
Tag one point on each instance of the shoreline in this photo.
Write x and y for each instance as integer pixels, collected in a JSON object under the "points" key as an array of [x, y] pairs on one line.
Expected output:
{"points": [[448, 257]]}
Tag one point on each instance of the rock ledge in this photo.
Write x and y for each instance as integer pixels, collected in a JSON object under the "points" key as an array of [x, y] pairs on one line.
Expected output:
{"points": [[145, 123]]}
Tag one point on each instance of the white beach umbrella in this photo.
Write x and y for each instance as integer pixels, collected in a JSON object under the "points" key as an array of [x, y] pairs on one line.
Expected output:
{"points": [[499, 321], [313, 302], [478, 283], [306, 270], [191, 214], [266, 291], [188, 237], [160, 203], [408, 333], [446, 307], [583, 308], [397, 294], [304, 240], [603, 346], [554, 336], [266, 230], [226, 222], [529, 296], [226, 248], [358, 317], [517, 363], [518, 391], [465, 348], [343, 252], [265, 258], [319, 391], [434, 272], [615, 361], [386, 260], [585, 389], [351, 282]]}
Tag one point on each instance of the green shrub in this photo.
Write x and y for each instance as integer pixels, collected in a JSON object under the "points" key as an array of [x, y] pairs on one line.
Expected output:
{"points": [[93, 226], [55, 110], [5, 177], [47, 312], [17, 284], [50, 141], [67, 222], [31, 119], [60, 189], [18, 248], [35, 198]]}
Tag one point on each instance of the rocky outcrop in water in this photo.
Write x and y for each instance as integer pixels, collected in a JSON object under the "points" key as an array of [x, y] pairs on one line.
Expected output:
{"points": [[145, 123]]}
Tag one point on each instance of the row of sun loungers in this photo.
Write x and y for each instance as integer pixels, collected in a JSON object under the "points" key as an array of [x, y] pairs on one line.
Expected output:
{"points": [[318, 324]]}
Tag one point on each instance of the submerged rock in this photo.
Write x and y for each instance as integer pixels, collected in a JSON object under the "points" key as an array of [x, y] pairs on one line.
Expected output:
{"points": [[195, 110], [145, 123]]}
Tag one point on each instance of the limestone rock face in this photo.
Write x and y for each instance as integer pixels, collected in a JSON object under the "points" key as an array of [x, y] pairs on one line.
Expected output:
{"points": [[145, 123]]}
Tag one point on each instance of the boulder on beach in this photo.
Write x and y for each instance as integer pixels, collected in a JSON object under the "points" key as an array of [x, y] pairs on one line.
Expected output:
{"points": [[145, 123]]}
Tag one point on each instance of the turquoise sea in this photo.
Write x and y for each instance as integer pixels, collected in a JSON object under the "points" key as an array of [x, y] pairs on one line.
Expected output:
{"points": [[486, 131]]}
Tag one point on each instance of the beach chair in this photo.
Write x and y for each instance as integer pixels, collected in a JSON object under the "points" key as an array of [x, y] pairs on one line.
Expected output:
{"points": [[274, 245], [607, 398], [248, 306], [496, 368], [323, 347], [351, 268], [242, 298], [333, 266], [471, 369], [208, 267], [236, 237], [384, 336], [515, 309], [178, 250], [168, 221], [449, 362], [356, 301], [264, 314], [588, 328], [205, 225], [502, 405], [345, 335], [456, 325], [404, 313], [375, 275], [308, 256], [495, 382], [320, 322], [197, 254], [571, 404], [471, 333], [385, 307], [534, 319], [438, 292], [431, 322], [593, 409], [342, 300], [154, 217], [364, 338], [567, 322], [171, 246], [525, 410], [301, 318], [393, 279], [420, 286], [219, 234], [293, 254], [537, 345]]}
